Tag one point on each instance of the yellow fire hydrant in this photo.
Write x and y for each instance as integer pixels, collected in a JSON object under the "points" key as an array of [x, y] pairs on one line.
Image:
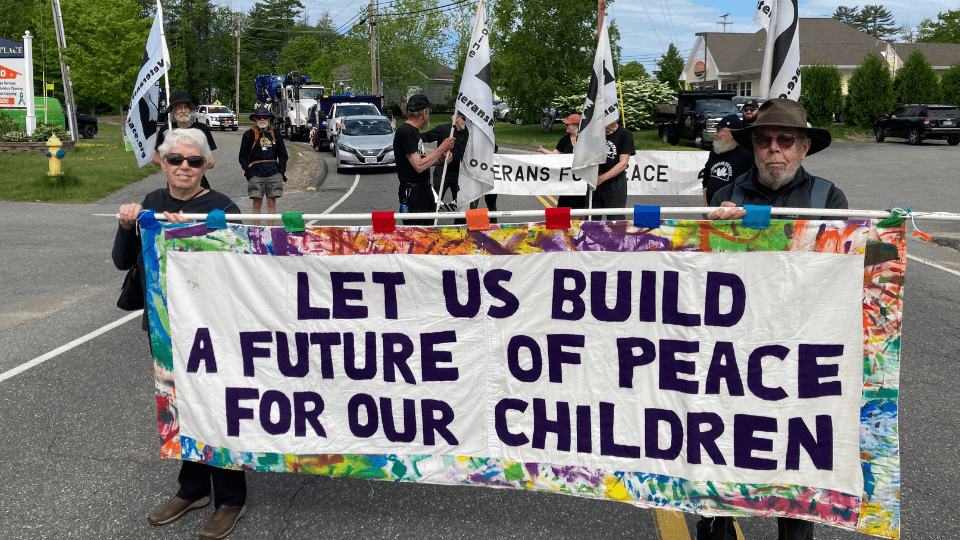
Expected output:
{"points": [[55, 153]]}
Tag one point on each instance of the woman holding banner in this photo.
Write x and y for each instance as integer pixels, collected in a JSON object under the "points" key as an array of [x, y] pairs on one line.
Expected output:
{"points": [[185, 156]]}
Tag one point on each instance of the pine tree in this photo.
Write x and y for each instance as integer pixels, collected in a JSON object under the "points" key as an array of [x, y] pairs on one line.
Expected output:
{"points": [[916, 81], [670, 67], [950, 85], [821, 94], [870, 92], [878, 22]]}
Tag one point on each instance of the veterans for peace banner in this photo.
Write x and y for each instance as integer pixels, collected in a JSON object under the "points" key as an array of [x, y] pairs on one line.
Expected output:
{"points": [[649, 173], [141, 123], [475, 101], [698, 366], [780, 76]]}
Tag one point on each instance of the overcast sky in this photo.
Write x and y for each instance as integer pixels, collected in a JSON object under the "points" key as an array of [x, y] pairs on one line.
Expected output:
{"points": [[648, 27]]}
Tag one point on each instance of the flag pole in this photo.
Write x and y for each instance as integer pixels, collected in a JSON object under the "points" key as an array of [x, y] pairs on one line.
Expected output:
{"points": [[166, 61], [443, 175]]}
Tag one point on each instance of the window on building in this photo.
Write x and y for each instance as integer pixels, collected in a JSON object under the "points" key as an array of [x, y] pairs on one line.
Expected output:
{"points": [[746, 88]]}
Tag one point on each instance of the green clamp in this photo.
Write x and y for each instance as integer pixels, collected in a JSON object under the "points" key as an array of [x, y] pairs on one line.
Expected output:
{"points": [[293, 222]]}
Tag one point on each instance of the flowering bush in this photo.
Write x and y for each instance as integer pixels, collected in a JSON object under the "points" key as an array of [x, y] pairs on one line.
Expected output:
{"points": [[640, 99]]}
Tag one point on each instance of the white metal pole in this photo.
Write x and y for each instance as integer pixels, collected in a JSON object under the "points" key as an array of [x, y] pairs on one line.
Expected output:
{"points": [[31, 119]]}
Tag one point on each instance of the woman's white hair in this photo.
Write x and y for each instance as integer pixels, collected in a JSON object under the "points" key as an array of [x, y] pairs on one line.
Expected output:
{"points": [[188, 137]]}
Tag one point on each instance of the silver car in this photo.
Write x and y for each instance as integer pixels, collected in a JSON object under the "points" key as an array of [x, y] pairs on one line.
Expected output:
{"points": [[365, 141]]}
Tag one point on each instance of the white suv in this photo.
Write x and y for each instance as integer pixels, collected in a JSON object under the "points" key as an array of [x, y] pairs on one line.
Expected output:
{"points": [[216, 116]]}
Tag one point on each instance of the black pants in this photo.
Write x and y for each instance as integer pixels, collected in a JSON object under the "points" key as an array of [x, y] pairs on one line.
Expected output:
{"points": [[611, 194], [229, 486], [721, 528], [452, 187], [419, 199]]}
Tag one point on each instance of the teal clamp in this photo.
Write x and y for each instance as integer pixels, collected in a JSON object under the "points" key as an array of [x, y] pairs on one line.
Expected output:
{"points": [[293, 222], [757, 217], [646, 217], [217, 219]]}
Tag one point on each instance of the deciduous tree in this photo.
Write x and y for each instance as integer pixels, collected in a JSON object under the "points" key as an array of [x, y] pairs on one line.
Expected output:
{"points": [[633, 71], [670, 67], [946, 29]]}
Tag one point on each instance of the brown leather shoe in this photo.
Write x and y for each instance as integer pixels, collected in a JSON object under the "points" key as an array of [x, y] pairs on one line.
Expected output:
{"points": [[173, 509], [222, 522]]}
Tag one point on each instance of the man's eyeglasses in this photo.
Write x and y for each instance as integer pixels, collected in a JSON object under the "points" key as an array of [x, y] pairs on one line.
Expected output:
{"points": [[195, 162], [784, 140], [749, 109], [261, 117]]}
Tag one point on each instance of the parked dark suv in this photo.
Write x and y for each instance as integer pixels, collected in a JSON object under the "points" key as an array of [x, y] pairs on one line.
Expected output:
{"points": [[918, 121]]}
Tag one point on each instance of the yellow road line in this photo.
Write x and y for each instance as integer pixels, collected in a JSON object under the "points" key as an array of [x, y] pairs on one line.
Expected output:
{"points": [[548, 201], [670, 525]]}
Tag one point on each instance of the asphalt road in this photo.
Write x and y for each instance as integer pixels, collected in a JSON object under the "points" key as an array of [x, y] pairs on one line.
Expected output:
{"points": [[80, 446]]}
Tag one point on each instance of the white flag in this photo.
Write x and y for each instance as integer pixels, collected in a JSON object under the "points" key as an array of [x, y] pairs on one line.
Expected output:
{"points": [[141, 125], [762, 14], [781, 58], [475, 102], [599, 109]]}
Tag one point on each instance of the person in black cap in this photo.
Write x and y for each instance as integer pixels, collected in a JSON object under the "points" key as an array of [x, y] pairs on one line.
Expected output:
{"points": [[263, 157], [749, 111], [727, 159], [413, 162], [779, 140], [182, 107]]}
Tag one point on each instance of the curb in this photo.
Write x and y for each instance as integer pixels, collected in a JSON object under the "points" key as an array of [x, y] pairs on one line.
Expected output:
{"points": [[321, 175], [946, 241]]}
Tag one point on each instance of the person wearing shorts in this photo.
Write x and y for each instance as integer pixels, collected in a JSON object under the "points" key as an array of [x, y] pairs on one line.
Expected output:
{"points": [[263, 158]]}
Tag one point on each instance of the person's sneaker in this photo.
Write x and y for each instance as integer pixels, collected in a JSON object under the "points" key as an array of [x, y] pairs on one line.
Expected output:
{"points": [[173, 509], [222, 522]]}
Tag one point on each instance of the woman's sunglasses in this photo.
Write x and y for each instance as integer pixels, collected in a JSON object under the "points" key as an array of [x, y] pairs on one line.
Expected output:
{"points": [[784, 140], [195, 162]]}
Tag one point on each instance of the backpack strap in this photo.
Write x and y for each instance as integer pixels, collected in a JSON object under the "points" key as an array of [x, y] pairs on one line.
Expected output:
{"points": [[819, 192]]}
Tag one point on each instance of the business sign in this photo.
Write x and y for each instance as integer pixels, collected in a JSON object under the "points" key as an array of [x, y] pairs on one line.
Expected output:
{"points": [[12, 80], [700, 366]]}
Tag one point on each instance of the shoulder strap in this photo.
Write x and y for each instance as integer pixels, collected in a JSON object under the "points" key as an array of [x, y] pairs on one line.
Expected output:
{"points": [[819, 192], [256, 138], [737, 196]]}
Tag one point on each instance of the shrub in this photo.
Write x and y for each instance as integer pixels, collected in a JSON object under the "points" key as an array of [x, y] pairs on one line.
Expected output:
{"points": [[821, 93], [869, 92], [640, 99], [8, 124], [916, 81], [14, 136], [45, 131], [950, 85]]}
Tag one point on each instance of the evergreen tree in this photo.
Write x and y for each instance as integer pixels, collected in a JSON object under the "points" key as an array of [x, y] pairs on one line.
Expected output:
{"points": [[848, 15], [950, 85], [670, 67], [916, 81], [821, 94], [869, 92], [878, 22]]}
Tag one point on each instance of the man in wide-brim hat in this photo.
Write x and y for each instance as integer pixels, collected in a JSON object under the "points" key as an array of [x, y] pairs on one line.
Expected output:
{"points": [[181, 107], [780, 139]]}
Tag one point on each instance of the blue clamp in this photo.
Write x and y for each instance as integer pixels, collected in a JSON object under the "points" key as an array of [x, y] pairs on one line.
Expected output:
{"points": [[148, 221], [758, 217], [217, 219], [646, 217]]}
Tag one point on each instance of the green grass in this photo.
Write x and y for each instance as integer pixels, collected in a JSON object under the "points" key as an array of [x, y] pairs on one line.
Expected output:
{"points": [[843, 132], [94, 169], [523, 135]]}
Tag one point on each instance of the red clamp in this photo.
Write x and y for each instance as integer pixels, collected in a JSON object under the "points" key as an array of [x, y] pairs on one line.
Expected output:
{"points": [[558, 218], [384, 222]]}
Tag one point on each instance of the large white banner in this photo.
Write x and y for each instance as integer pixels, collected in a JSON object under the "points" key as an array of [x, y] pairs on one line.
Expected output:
{"points": [[700, 366], [649, 173]]}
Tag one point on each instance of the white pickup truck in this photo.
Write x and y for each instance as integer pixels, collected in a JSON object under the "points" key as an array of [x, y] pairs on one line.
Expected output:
{"points": [[217, 116]]}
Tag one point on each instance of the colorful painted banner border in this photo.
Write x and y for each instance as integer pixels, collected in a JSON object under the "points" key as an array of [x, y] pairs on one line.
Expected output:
{"points": [[875, 511]]}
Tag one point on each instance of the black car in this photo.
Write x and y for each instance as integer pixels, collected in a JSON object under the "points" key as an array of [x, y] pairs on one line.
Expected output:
{"points": [[86, 124], [919, 121]]}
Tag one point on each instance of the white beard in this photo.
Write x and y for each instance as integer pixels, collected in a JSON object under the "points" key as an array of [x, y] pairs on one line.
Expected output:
{"points": [[722, 147], [776, 181]]}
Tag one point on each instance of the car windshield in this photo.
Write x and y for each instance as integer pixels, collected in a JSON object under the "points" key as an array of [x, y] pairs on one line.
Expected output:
{"points": [[356, 110], [717, 107], [943, 112], [372, 126], [223, 110]]}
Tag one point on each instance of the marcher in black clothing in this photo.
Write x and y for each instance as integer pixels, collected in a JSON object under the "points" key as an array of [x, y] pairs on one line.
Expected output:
{"points": [[565, 146], [184, 155], [414, 193], [727, 159], [182, 107], [780, 140], [263, 157], [460, 136], [611, 189]]}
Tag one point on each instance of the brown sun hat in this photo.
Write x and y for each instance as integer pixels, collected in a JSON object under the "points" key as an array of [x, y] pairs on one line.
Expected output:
{"points": [[783, 113]]}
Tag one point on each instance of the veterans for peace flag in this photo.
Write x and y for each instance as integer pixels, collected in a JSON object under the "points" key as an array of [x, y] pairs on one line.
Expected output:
{"points": [[696, 366], [141, 123], [599, 109], [780, 77], [475, 101]]}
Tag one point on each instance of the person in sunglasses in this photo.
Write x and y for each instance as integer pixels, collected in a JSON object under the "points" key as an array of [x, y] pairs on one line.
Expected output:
{"points": [[263, 157], [183, 157], [182, 109], [780, 139]]}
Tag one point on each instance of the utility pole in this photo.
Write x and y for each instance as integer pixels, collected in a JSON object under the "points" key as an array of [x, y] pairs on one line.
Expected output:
{"points": [[725, 23], [237, 110], [373, 47]]}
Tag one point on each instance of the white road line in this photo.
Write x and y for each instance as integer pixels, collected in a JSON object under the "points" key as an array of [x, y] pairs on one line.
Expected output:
{"points": [[79, 341], [933, 264], [349, 192]]}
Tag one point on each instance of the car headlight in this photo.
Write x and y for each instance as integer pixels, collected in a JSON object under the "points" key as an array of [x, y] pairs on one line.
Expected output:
{"points": [[388, 149], [345, 147]]}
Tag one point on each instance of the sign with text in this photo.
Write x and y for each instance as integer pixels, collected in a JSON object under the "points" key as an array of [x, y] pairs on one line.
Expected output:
{"points": [[591, 361], [649, 173], [12, 70]]}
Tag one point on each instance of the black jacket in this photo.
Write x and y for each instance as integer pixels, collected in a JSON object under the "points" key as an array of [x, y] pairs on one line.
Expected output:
{"points": [[796, 194]]}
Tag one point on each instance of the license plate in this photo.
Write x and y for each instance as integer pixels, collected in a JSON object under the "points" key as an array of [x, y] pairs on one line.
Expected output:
{"points": [[948, 122], [370, 160]]}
